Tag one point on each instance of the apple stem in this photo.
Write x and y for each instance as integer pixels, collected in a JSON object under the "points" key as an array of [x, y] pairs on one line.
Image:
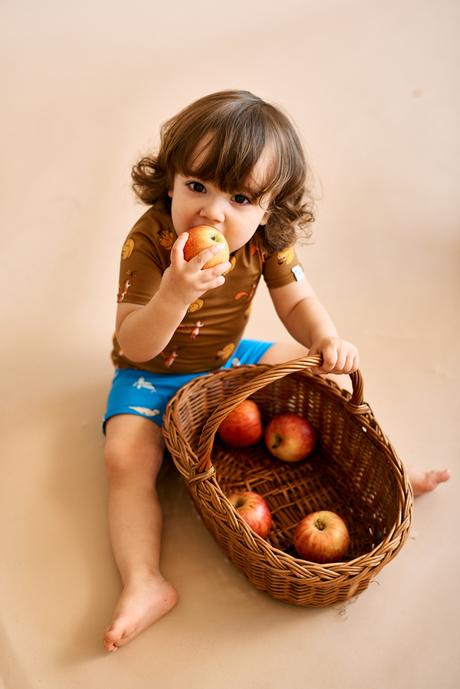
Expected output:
{"points": [[320, 525]]}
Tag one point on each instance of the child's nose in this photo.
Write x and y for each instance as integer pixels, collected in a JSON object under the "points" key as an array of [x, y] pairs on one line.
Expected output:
{"points": [[213, 210]]}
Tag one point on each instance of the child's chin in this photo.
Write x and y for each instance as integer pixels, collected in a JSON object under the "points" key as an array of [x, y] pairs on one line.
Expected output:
{"points": [[234, 247]]}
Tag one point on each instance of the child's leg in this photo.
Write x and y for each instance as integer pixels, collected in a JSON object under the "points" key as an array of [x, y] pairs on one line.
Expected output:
{"points": [[421, 481], [133, 457]]}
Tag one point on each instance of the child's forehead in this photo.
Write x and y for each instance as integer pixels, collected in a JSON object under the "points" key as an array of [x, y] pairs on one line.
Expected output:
{"points": [[201, 151], [258, 177], [262, 174]]}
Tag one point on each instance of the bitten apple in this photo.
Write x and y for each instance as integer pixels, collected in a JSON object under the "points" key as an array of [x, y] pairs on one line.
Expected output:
{"points": [[203, 237], [290, 437], [322, 537], [254, 510], [243, 425]]}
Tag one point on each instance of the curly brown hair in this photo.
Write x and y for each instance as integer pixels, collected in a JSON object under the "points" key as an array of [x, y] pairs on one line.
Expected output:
{"points": [[238, 126]]}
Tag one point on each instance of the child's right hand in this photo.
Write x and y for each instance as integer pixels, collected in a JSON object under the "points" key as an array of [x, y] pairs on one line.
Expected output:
{"points": [[187, 280]]}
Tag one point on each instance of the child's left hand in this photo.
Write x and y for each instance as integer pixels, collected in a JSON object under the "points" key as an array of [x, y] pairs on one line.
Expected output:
{"points": [[339, 356]]}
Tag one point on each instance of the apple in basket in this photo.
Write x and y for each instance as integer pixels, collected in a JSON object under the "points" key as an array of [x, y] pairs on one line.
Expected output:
{"points": [[290, 437], [203, 237], [322, 537], [254, 510], [242, 427]]}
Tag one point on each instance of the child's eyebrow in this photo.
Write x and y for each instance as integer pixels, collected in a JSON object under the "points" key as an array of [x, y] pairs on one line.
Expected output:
{"points": [[246, 190], [250, 191]]}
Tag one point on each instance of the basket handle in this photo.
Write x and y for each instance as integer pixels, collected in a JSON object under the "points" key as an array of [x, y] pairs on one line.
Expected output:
{"points": [[273, 373]]}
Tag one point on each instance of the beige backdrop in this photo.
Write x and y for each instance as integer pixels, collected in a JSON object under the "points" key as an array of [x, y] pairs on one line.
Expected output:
{"points": [[373, 88]]}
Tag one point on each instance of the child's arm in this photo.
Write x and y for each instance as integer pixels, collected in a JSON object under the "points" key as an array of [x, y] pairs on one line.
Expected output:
{"points": [[144, 331], [309, 323]]}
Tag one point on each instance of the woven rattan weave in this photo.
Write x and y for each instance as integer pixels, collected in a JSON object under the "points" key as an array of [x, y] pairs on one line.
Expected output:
{"points": [[354, 472]]}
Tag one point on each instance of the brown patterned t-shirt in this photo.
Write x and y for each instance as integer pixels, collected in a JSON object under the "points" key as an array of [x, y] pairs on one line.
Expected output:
{"points": [[214, 323]]}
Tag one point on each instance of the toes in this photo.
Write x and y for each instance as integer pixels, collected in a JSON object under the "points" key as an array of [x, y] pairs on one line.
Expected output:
{"points": [[119, 634], [428, 481], [435, 477], [444, 476], [114, 637], [109, 645]]}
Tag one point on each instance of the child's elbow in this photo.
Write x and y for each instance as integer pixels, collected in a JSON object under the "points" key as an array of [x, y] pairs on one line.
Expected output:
{"points": [[137, 358], [133, 351]]}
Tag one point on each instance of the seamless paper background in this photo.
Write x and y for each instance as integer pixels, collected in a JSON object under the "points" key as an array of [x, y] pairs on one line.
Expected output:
{"points": [[373, 90]]}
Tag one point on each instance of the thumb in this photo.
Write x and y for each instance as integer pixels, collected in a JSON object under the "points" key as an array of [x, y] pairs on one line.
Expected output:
{"points": [[315, 351]]}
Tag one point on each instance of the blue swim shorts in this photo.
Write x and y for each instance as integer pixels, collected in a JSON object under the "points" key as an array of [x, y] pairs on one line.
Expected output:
{"points": [[147, 394]]}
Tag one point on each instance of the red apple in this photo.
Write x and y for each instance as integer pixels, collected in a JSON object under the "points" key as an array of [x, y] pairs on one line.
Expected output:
{"points": [[254, 510], [203, 237], [243, 425], [290, 437], [322, 537]]}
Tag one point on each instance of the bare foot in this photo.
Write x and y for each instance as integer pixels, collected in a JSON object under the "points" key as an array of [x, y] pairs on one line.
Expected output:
{"points": [[140, 604], [426, 481]]}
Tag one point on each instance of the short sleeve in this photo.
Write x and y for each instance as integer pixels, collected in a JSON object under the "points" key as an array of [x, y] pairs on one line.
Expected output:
{"points": [[281, 268], [142, 263]]}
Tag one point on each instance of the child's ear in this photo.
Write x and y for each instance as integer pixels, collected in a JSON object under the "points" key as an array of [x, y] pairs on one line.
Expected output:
{"points": [[170, 193]]}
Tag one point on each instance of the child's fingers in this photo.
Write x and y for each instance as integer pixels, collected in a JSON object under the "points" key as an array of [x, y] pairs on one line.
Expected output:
{"points": [[218, 269], [349, 362], [177, 250], [345, 363], [217, 282], [330, 357], [352, 363], [341, 364], [338, 357], [214, 277], [204, 256]]}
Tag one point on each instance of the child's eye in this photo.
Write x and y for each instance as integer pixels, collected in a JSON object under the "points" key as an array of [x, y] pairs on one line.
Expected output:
{"points": [[241, 199], [196, 186]]}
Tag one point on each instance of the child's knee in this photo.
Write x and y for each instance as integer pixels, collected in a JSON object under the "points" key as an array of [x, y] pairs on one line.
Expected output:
{"points": [[128, 453], [127, 460]]}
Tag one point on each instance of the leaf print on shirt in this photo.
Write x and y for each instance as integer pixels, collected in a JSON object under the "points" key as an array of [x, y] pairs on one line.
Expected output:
{"points": [[286, 256], [127, 250], [226, 351], [195, 306], [166, 238]]}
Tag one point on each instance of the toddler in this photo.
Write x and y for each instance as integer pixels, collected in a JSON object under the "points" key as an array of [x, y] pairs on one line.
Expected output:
{"points": [[234, 162]]}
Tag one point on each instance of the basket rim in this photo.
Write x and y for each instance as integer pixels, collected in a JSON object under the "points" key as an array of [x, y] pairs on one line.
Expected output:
{"points": [[303, 563]]}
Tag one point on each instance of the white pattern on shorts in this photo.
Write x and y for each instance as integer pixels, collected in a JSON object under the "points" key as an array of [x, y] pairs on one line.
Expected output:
{"points": [[141, 384], [145, 411]]}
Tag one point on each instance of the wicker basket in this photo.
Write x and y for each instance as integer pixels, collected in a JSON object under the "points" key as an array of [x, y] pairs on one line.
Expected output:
{"points": [[354, 472]]}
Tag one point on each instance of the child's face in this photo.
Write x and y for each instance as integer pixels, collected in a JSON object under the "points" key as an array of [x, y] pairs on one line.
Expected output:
{"points": [[237, 216]]}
